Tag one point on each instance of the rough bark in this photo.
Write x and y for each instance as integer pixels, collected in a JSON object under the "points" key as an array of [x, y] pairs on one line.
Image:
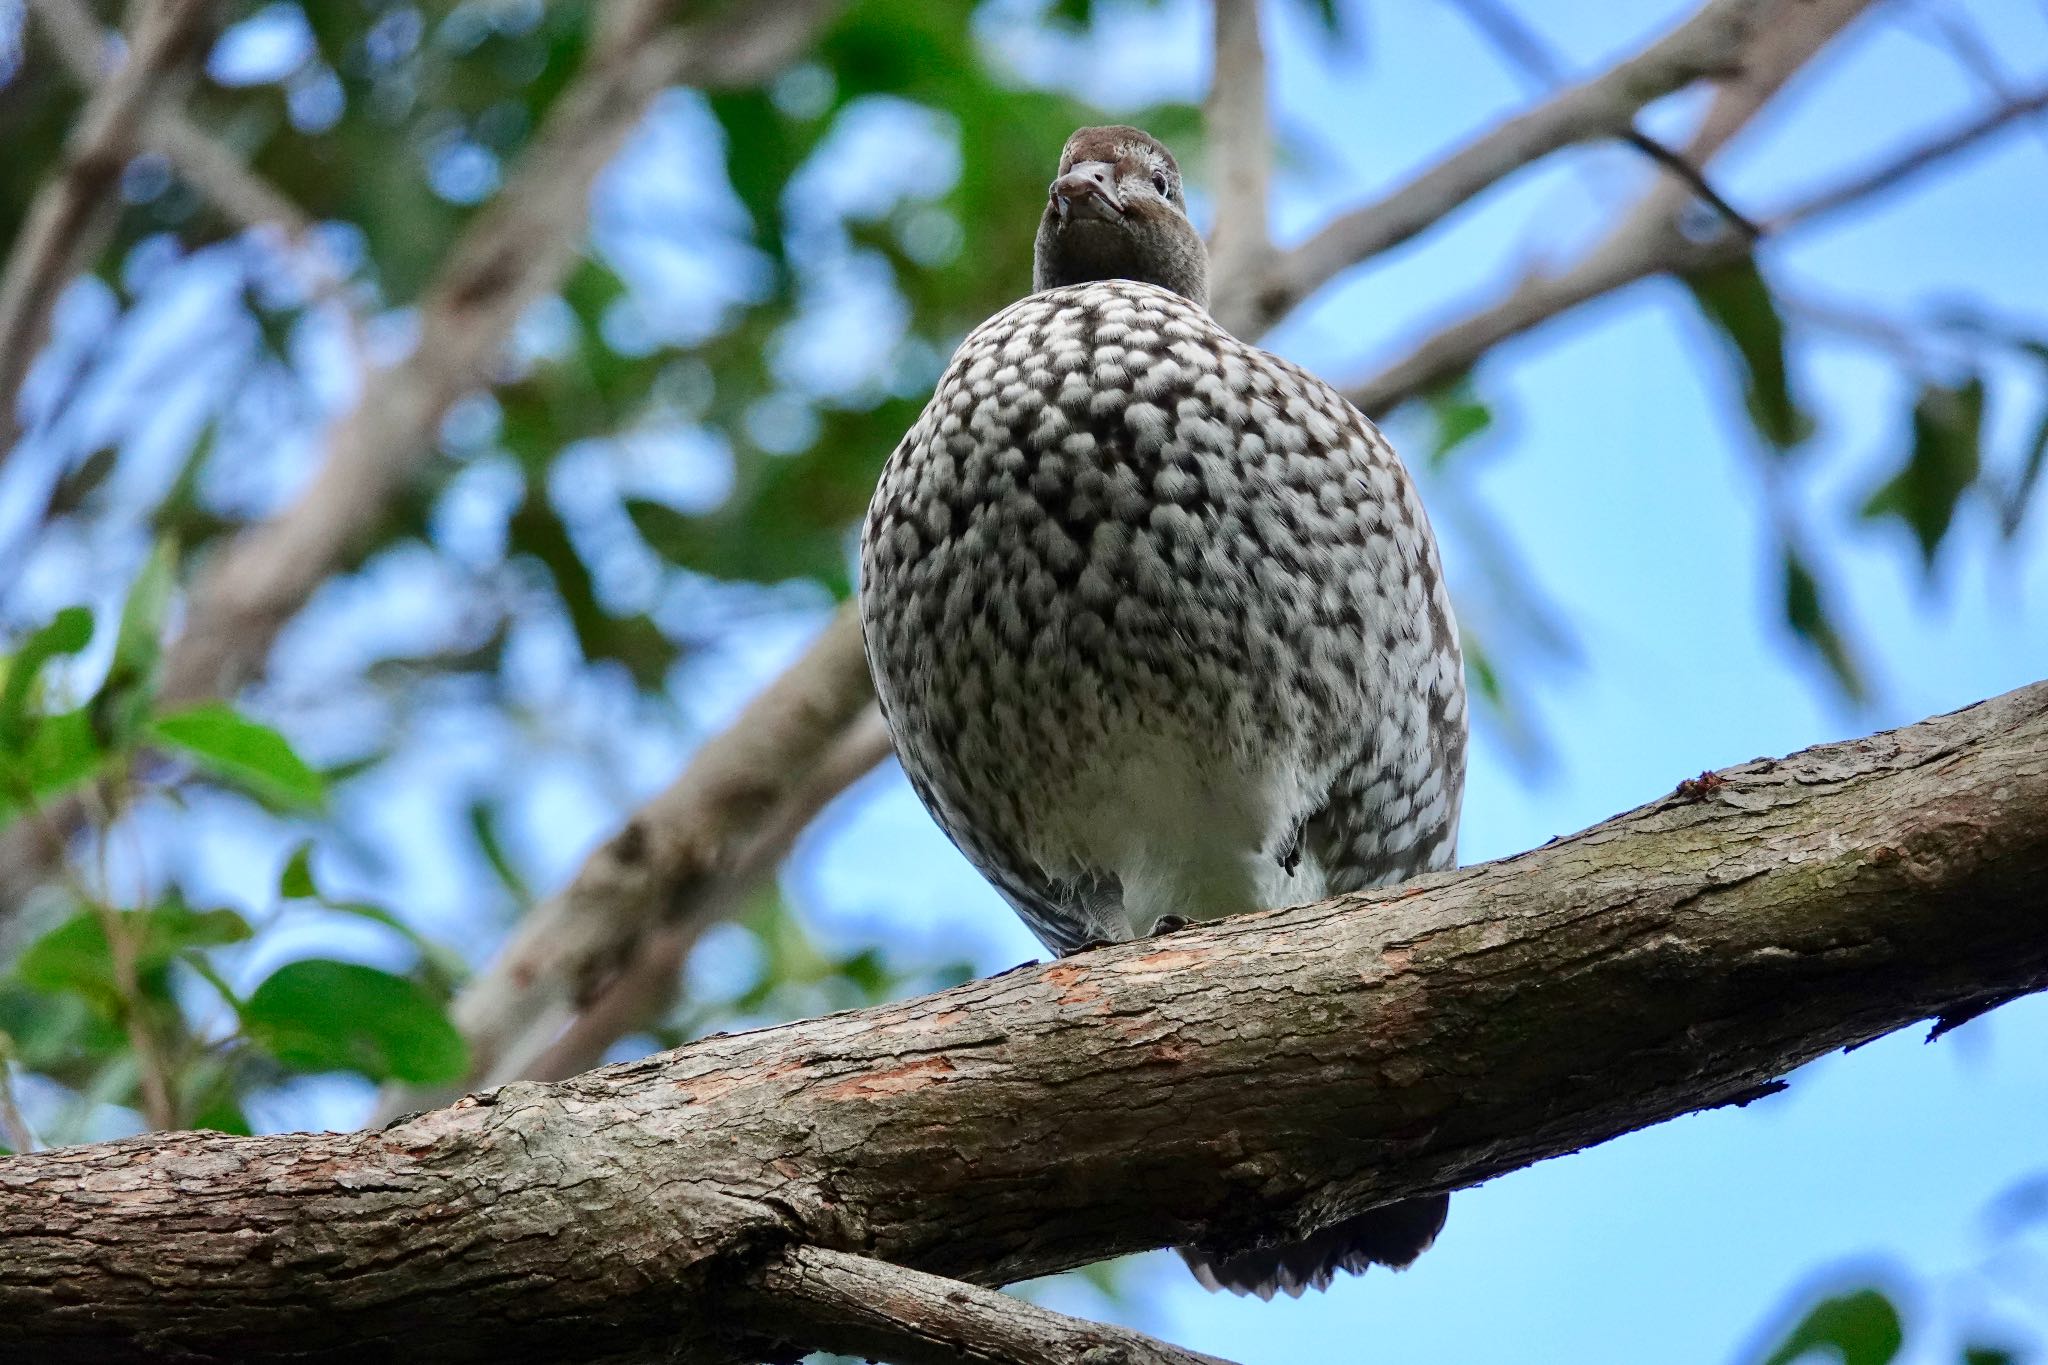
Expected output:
{"points": [[1417, 1039]]}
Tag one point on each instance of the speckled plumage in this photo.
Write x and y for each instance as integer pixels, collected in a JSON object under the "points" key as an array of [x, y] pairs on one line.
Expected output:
{"points": [[1157, 620]]}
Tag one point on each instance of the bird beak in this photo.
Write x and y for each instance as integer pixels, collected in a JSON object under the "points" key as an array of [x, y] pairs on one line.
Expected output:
{"points": [[1087, 191]]}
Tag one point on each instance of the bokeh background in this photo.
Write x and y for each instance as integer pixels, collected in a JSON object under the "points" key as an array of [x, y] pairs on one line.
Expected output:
{"points": [[646, 515]]}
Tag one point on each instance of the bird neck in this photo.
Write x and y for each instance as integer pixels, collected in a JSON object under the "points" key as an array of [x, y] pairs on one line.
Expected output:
{"points": [[1083, 253]]}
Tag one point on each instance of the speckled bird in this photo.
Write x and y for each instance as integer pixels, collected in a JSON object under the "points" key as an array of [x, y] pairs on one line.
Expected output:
{"points": [[1157, 620]]}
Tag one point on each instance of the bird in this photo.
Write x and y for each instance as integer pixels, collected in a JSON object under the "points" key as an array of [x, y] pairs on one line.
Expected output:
{"points": [[1157, 620]]}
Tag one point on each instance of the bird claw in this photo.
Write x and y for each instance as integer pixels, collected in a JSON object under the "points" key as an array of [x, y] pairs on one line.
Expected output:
{"points": [[1087, 947], [1169, 924]]}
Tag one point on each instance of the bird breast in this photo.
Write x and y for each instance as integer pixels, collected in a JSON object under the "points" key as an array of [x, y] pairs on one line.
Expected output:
{"points": [[1128, 571]]}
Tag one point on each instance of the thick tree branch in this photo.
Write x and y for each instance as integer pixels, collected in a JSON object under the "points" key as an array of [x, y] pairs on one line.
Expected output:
{"points": [[68, 220], [1708, 44], [1414, 1039], [855, 1305]]}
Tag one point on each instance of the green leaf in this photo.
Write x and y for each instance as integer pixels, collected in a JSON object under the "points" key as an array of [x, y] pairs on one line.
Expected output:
{"points": [[1862, 1327], [323, 1015], [1737, 301], [245, 753], [1988, 1355], [1459, 415], [139, 639], [74, 957], [60, 751], [1806, 612], [1948, 429], [296, 881], [67, 633]]}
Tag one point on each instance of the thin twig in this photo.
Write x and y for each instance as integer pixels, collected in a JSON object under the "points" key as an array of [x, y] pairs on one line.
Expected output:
{"points": [[152, 1076], [856, 1305], [1905, 165], [1520, 43], [1646, 242], [1707, 44]]}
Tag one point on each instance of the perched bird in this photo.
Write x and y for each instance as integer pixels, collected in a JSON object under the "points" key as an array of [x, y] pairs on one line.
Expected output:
{"points": [[1157, 620]]}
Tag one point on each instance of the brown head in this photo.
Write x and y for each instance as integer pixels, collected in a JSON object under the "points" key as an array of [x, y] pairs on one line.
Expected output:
{"points": [[1116, 212]]}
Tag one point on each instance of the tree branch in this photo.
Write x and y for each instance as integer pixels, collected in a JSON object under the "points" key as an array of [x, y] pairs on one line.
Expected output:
{"points": [[1413, 1039], [1520, 44], [68, 220], [678, 865], [855, 1305], [213, 169], [1646, 241], [648, 985], [1708, 44], [1239, 124], [1908, 164], [520, 246]]}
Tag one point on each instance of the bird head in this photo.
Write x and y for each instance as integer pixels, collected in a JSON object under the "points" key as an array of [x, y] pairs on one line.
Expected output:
{"points": [[1115, 212]]}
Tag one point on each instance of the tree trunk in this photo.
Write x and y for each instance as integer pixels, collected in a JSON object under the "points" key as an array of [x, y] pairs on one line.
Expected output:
{"points": [[1249, 1079]]}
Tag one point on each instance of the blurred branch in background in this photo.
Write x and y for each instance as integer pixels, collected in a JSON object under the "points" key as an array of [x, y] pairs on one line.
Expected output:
{"points": [[1709, 45], [610, 942], [1239, 125], [519, 247], [66, 225]]}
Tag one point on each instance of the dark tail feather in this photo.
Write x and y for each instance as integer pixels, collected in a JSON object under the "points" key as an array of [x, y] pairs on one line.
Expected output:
{"points": [[1391, 1235]]}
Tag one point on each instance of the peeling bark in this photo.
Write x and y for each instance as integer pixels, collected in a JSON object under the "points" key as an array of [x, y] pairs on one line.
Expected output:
{"points": [[1249, 1079]]}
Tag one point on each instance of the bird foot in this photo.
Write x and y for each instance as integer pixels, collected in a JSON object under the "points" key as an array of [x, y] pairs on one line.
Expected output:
{"points": [[1089, 946], [1169, 924]]}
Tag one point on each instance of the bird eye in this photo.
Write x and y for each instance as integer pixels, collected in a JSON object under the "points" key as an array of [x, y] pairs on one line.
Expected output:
{"points": [[1159, 181]]}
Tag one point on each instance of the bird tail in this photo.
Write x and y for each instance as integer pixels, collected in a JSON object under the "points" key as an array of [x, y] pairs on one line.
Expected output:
{"points": [[1392, 1235]]}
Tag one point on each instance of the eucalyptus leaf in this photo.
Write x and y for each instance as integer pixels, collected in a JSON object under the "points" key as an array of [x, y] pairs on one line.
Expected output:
{"points": [[1737, 301], [67, 633], [1806, 611], [1941, 464]]}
